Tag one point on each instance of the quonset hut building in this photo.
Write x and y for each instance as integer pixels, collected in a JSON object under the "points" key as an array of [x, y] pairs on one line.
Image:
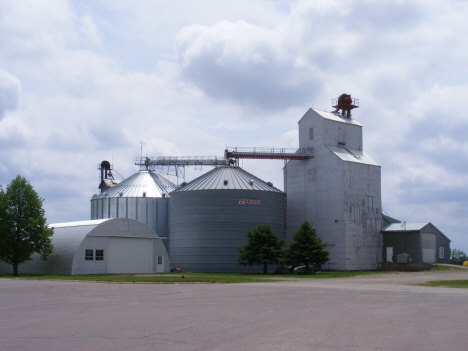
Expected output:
{"points": [[98, 247]]}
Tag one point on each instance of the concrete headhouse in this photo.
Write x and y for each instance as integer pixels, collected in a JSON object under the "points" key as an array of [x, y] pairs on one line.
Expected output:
{"points": [[338, 191]]}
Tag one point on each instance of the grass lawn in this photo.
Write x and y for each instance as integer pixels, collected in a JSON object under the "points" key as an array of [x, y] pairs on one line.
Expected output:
{"points": [[438, 267], [448, 283], [222, 278]]}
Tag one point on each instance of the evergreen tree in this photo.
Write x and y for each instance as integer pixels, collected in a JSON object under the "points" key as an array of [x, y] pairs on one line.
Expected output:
{"points": [[263, 247], [306, 248], [23, 229]]}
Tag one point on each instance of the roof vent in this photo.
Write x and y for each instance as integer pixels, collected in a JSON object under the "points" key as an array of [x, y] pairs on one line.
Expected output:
{"points": [[183, 184], [120, 194], [225, 182], [144, 193], [270, 183], [251, 182]]}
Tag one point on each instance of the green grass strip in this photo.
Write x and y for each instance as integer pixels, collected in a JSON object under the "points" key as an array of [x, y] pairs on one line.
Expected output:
{"points": [[438, 267], [223, 278], [461, 284]]}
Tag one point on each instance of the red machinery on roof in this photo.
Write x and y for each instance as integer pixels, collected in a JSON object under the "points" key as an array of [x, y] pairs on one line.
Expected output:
{"points": [[345, 103]]}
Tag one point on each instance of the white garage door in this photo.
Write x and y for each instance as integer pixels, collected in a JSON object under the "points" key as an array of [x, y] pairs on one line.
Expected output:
{"points": [[129, 255], [429, 248]]}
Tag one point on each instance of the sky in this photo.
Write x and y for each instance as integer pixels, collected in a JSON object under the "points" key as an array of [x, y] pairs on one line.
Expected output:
{"points": [[86, 81]]}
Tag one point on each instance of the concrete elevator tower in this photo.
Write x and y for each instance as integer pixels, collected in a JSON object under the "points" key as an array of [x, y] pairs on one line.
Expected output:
{"points": [[338, 190]]}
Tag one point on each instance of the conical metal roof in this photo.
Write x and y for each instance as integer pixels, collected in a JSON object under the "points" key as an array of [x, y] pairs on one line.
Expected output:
{"points": [[143, 183], [228, 178]]}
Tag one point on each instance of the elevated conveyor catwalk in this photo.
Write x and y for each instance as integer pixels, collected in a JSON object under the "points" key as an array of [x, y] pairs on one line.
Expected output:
{"points": [[176, 164], [258, 153], [148, 162]]}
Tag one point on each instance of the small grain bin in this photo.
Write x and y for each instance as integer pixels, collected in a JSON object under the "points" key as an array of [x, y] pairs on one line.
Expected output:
{"points": [[144, 197]]}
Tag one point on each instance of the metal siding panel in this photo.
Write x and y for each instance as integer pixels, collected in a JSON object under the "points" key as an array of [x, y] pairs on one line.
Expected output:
{"points": [[132, 208], [208, 225], [428, 245], [122, 206], [141, 210], [96, 209], [113, 207], [99, 209], [403, 242], [162, 218], [81, 266], [105, 208], [442, 241], [129, 255], [93, 216], [152, 214]]}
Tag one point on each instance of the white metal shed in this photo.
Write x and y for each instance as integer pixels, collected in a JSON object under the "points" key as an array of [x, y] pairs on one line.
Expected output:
{"points": [[120, 245]]}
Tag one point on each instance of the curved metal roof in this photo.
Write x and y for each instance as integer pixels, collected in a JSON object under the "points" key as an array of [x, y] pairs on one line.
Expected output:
{"points": [[94, 222], [228, 178], [149, 182]]}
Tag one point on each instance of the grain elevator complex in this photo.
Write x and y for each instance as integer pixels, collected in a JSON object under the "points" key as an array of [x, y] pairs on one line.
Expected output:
{"points": [[329, 181]]}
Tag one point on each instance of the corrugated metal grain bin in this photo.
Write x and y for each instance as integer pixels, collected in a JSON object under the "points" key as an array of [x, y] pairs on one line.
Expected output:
{"points": [[209, 217], [144, 197]]}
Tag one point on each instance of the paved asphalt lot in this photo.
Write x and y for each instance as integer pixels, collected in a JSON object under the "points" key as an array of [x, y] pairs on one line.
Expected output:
{"points": [[379, 312]]}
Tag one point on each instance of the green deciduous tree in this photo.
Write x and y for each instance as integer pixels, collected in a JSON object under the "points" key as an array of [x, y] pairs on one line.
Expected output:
{"points": [[23, 229], [263, 247], [458, 257], [306, 248]]}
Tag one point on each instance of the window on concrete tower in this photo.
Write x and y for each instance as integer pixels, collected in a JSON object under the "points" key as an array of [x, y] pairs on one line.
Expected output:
{"points": [[341, 136]]}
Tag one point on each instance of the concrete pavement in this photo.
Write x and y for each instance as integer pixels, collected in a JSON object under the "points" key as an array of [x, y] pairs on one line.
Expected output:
{"points": [[379, 312]]}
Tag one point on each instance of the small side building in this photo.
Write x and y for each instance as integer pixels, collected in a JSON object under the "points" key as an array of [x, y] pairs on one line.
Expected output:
{"points": [[102, 246], [423, 242]]}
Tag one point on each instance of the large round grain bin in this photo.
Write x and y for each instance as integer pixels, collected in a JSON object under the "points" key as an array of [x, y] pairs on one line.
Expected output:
{"points": [[144, 197], [209, 217]]}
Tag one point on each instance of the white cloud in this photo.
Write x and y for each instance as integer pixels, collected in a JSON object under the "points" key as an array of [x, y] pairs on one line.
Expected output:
{"points": [[90, 31], [245, 63], [83, 82], [10, 93]]}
